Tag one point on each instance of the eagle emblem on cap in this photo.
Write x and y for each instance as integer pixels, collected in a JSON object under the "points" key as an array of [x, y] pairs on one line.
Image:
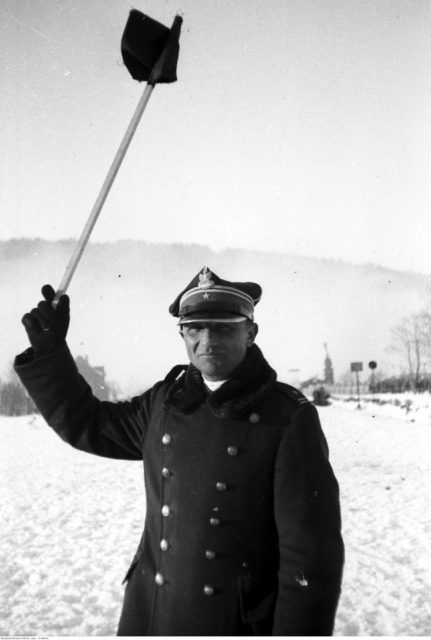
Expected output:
{"points": [[205, 281]]}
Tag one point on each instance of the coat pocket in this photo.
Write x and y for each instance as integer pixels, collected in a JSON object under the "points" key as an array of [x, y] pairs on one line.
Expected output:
{"points": [[132, 567], [258, 595], [130, 570]]}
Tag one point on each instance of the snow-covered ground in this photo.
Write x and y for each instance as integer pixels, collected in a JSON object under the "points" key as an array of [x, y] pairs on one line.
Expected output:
{"points": [[381, 456], [71, 522]]}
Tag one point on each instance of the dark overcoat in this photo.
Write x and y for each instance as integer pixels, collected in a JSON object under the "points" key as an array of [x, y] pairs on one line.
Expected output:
{"points": [[242, 531]]}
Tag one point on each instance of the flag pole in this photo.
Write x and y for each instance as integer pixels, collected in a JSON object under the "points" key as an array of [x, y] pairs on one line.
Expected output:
{"points": [[100, 200], [162, 70]]}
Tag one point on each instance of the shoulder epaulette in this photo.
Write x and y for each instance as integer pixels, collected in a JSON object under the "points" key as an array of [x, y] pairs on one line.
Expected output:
{"points": [[175, 372], [293, 393]]}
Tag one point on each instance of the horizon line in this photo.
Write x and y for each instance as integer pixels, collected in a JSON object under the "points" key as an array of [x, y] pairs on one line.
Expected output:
{"points": [[219, 250]]}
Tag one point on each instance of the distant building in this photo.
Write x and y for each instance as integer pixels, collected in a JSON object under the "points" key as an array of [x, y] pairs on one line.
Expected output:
{"points": [[95, 376], [310, 383], [328, 375]]}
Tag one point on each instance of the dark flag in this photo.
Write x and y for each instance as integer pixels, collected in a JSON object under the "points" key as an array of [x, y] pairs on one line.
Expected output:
{"points": [[149, 49]]}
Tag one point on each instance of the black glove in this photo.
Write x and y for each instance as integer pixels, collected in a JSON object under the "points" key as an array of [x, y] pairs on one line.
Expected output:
{"points": [[46, 327]]}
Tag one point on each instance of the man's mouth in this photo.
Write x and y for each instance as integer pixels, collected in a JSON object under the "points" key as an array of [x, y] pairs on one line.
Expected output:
{"points": [[210, 355]]}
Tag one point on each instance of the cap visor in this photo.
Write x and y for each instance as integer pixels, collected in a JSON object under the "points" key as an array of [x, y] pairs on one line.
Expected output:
{"points": [[213, 319]]}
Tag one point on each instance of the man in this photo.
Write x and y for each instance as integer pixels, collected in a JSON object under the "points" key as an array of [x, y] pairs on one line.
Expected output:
{"points": [[242, 531]]}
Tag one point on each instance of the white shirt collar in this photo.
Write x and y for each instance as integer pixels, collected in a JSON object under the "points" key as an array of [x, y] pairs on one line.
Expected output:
{"points": [[214, 385]]}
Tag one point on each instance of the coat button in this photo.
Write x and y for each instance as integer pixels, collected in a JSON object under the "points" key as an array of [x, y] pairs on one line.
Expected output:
{"points": [[166, 510], [166, 438], [210, 555], [221, 486], [159, 579], [254, 417], [214, 522], [166, 473], [164, 545], [208, 590], [232, 451]]}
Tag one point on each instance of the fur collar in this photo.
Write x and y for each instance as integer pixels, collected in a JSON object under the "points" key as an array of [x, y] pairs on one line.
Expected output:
{"points": [[247, 384]]}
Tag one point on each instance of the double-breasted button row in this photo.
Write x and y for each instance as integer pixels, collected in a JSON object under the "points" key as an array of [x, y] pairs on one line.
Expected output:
{"points": [[165, 510], [159, 579]]}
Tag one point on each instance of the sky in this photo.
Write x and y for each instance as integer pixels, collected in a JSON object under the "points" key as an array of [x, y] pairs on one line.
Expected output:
{"points": [[300, 126]]}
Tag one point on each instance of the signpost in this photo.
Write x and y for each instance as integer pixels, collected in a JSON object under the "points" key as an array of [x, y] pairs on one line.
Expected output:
{"points": [[355, 367], [373, 365]]}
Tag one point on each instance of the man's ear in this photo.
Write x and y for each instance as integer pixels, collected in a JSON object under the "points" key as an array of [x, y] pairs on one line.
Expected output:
{"points": [[181, 333], [252, 332]]}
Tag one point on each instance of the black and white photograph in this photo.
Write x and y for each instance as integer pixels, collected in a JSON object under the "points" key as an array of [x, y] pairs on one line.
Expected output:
{"points": [[215, 363]]}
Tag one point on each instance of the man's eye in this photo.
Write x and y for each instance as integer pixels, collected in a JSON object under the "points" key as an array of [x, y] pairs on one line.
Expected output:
{"points": [[192, 331], [225, 328]]}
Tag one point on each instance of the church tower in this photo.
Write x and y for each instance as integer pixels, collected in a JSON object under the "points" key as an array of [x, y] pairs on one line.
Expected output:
{"points": [[329, 370]]}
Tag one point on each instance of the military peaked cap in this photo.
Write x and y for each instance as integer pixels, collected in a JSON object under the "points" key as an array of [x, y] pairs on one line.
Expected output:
{"points": [[209, 298]]}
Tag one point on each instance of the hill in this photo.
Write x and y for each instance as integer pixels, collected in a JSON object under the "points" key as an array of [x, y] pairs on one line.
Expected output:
{"points": [[121, 292]]}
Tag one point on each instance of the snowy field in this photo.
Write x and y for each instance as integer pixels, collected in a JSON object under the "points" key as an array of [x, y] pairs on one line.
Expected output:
{"points": [[71, 522]]}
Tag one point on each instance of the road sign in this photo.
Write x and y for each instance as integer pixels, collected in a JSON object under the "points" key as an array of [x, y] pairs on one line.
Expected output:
{"points": [[372, 364], [356, 366]]}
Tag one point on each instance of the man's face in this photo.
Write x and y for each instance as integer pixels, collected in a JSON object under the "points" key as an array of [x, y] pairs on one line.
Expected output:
{"points": [[216, 349]]}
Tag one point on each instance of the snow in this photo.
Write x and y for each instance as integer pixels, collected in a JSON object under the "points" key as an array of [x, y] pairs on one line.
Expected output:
{"points": [[71, 523], [382, 462]]}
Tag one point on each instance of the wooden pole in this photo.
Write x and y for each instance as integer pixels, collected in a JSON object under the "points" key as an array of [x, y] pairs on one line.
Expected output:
{"points": [[358, 389], [100, 200]]}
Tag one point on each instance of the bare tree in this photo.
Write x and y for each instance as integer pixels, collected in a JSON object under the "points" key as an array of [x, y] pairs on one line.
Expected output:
{"points": [[14, 399], [425, 323], [412, 339]]}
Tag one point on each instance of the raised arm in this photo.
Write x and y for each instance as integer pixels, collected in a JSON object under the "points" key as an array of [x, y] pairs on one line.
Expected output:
{"points": [[65, 400]]}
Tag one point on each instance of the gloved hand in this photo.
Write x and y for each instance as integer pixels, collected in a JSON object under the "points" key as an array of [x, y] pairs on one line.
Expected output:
{"points": [[46, 327]]}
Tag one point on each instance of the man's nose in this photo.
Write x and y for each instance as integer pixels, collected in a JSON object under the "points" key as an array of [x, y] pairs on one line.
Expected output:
{"points": [[208, 336]]}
